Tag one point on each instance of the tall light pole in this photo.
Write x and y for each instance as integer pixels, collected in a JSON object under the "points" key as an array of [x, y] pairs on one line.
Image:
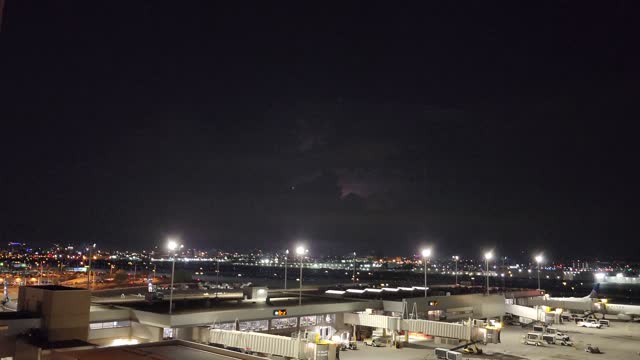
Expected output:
{"points": [[217, 272], [487, 257], [354, 267], [300, 250], [172, 245], [41, 272], [425, 255], [286, 256], [456, 258], [89, 268], [539, 259]]}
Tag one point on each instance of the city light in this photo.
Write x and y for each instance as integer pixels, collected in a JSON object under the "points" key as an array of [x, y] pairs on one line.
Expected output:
{"points": [[172, 244]]}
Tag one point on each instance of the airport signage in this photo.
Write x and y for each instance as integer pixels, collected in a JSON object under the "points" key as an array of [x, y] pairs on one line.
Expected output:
{"points": [[280, 312]]}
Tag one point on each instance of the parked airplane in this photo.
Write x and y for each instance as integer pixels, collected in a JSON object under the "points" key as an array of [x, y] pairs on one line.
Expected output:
{"points": [[591, 303], [621, 311]]}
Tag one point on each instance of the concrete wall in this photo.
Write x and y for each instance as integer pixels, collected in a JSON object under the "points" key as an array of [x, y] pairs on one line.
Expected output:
{"points": [[209, 317], [20, 326], [202, 318], [147, 332], [102, 313], [64, 312], [124, 332], [25, 351], [7, 346]]}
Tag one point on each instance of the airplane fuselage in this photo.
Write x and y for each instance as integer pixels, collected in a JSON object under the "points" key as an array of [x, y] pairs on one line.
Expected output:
{"points": [[623, 312]]}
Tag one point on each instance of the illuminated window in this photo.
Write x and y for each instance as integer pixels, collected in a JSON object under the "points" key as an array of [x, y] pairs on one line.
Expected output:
{"points": [[110, 325], [308, 320]]}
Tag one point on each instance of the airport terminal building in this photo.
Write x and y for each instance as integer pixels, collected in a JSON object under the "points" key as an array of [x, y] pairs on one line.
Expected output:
{"points": [[59, 314]]}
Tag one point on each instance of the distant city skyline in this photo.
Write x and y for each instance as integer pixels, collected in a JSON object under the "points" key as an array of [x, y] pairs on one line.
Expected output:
{"points": [[187, 251]]}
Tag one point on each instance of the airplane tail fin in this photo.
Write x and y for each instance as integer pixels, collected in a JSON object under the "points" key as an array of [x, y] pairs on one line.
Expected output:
{"points": [[594, 292]]}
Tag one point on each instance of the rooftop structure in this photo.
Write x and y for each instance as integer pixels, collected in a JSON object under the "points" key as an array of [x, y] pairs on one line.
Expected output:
{"points": [[168, 350]]}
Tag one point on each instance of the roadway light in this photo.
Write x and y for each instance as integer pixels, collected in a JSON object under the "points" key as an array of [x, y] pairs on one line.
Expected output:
{"points": [[172, 245], [456, 258], [425, 255], [354, 268], [487, 256], [286, 256], [539, 260], [300, 250], [89, 268]]}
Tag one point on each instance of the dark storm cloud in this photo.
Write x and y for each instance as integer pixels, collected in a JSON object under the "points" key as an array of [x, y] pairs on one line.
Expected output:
{"points": [[356, 126]]}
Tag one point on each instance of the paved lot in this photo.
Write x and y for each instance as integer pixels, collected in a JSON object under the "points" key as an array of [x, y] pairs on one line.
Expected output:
{"points": [[619, 342]]}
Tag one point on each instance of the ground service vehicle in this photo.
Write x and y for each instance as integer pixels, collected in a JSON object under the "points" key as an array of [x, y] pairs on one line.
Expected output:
{"points": [[539, 328], [590, 324], [557, 339], [533, 339], [375, 342], [592, 349], [472, 349]]}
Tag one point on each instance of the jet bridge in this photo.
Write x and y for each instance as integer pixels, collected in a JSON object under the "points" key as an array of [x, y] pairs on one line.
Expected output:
{"points": [[470, 331], [537, 313], [256, 342]]}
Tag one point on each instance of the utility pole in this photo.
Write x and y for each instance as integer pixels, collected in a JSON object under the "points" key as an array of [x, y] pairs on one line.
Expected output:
{"points": [[41, 272], [300, 291], [354, 267], [456, 258], [487, 257], [89, 268], [286, 256]]}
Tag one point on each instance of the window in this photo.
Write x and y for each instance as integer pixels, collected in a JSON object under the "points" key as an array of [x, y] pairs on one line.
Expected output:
{"points": [[261, 325], [225, 326], [109, 325], [308, 320], [284, 323], [327, 319]]}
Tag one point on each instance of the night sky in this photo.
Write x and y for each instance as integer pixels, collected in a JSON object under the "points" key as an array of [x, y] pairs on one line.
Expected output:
{"points": [[376, 127]]}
